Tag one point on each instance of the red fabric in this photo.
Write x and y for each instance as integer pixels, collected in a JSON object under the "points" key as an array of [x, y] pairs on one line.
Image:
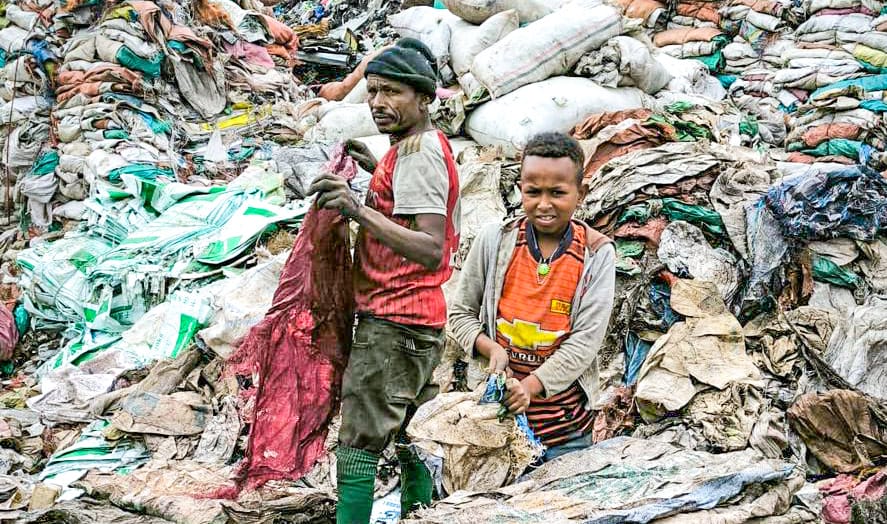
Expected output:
{"points": [[388, 285], [299, 351], [651, 231], [8, 334], [840, 493]]}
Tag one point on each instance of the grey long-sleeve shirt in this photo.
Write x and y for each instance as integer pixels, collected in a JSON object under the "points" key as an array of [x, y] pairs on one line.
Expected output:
{"points": [[477, 300]]}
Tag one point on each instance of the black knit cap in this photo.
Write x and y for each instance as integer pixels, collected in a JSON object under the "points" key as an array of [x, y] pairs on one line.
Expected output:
{"points": [[409, 61]]}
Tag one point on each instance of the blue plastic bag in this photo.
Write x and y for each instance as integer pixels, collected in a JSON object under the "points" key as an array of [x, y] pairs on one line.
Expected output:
{"points": [[495, 394]]}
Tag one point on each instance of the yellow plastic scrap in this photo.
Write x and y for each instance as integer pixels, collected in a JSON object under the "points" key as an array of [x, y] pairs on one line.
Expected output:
{"points": [[870, 55], [248, 115], [125, 12]]}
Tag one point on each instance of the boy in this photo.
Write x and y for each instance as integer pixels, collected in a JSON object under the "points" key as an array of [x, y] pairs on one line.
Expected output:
{"points": [[409, 230], [535, 297]]}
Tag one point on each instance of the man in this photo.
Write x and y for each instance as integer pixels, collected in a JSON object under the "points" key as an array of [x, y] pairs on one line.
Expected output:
{"points": [[408, 234]]}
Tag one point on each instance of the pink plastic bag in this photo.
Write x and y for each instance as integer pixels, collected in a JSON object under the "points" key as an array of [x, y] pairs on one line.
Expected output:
{"points": [[8, 334]]}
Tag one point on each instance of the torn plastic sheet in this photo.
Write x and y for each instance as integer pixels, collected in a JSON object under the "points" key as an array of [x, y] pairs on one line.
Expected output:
{"points": [[93, 451], [684, 249], [636, 351], [162, 333], [766, 249], [181, 413], [851, 203], [622, 480], [857, 349]]}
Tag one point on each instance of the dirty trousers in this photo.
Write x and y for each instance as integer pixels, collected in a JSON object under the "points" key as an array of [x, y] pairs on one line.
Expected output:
{"points": [[387, 378]]}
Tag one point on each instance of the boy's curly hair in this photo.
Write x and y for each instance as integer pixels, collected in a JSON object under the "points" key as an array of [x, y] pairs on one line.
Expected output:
{"points": [[557, 145]]}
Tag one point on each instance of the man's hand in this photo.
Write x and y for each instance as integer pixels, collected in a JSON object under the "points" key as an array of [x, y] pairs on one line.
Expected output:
{"points": [[517, 398], [333, 193], [361, 154], [499, 361]]}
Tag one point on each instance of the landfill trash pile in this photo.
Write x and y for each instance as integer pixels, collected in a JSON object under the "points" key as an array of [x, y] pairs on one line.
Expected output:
{"points": [[157, 155]]}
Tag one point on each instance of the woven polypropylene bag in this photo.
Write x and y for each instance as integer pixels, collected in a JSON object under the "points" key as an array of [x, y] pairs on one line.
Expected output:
{"points": [[298, 353]]}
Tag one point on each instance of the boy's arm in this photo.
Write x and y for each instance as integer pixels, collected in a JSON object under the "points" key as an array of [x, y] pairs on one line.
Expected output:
{"points": [[579, 350]]}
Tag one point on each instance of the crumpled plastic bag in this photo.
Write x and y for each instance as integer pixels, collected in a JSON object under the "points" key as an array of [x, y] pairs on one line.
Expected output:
{"points": [[469, 443]]}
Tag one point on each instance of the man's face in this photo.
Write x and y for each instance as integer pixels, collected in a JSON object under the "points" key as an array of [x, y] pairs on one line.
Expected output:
{"points": [[397, 108]]}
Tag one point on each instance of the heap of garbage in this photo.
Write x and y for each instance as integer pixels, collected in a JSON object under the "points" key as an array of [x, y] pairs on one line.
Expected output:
{"points": [[156, 157]]}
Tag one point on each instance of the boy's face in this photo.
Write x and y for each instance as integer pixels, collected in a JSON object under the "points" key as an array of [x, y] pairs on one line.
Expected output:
{"points": [[550, 193]]}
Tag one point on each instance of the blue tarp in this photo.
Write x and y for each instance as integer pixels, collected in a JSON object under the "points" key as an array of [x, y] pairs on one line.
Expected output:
{"points": [[708, 495], [867, 83], [848, 203]]}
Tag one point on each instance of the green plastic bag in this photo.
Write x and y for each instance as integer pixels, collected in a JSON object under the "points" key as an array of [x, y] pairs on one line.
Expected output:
{"points": [[825, 270], [626, 252], [45, 163], [674, 209], [20, 314], [836, 146], [150, 67]]}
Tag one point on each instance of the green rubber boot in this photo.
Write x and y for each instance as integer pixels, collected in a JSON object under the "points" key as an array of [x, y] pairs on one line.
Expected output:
{"points": [[415, 482], [356, 477]]}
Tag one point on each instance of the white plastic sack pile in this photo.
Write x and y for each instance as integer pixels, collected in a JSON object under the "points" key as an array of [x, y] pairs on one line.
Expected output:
{"points": [[691, 77], [469, 40], [340, 121], [478, 11], [431, 27], [549, 47], [625, 62], [556, 104]]}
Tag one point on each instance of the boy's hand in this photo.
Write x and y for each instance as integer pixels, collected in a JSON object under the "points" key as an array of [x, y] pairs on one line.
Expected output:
{"points": [[517, 398], [499, 361]]}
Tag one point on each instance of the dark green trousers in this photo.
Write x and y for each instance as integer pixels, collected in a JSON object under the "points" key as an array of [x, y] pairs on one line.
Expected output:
{"points": [[387, 378]]}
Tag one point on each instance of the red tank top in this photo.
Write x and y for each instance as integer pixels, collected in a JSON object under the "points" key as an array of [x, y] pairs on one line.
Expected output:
{"points": [[387, 285]]}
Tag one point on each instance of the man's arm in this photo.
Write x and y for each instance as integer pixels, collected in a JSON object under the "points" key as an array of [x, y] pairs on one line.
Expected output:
{"points": [[422, 243]]}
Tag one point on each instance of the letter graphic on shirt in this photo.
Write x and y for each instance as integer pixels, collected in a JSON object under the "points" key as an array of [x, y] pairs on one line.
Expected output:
{"points": [[526, 335]]}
